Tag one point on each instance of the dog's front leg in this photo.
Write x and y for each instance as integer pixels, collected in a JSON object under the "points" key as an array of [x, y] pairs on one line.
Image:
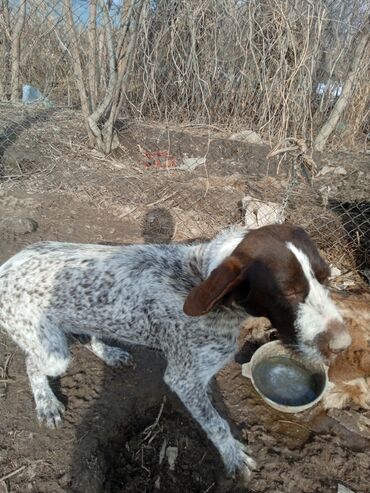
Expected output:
{"points": [[194, 396]]}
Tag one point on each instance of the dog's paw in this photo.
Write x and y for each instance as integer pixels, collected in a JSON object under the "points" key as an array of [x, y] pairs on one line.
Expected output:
{"points": [[114, 356], [238, 463], [245, 466], [50, 412]]}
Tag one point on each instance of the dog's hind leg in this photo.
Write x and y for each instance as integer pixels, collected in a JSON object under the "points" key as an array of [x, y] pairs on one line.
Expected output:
{"points": [[112, 356]]}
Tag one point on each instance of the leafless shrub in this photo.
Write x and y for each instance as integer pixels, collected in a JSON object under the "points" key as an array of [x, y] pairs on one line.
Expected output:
{"points": [[274, 66], [270, 66]]}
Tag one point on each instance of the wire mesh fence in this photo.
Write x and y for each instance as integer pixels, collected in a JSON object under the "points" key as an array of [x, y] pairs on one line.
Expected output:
{"points": [[78, 74]]}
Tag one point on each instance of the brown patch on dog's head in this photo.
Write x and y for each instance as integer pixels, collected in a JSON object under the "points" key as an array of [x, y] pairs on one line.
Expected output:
{"points": [[263, 276], [263, 255]]}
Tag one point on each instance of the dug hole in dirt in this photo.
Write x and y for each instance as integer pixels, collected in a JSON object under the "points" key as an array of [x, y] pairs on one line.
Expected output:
{"points": [[123, 430]]}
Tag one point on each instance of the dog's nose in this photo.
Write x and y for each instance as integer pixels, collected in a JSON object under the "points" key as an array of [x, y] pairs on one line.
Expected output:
{"points": [[339, 338]]}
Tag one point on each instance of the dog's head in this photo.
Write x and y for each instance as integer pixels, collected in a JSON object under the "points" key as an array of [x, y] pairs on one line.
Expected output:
{"points": [[277, 272]]}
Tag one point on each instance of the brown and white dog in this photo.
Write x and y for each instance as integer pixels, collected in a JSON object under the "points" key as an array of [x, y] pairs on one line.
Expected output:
{"points": [[186, 300]]}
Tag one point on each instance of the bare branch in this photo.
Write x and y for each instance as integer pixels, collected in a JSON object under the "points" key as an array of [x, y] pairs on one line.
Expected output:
{"points": [[16, 50]]}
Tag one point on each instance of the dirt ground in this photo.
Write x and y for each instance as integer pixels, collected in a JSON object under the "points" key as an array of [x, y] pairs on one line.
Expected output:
{"points": [[122, 424]]}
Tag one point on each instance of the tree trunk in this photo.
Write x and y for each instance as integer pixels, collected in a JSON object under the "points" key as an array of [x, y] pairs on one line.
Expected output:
{"points": [[121, 86], [92, 67], [77, 67], [343, 100], [5, 49], [104, 117], [119, 51], [16, 51]]}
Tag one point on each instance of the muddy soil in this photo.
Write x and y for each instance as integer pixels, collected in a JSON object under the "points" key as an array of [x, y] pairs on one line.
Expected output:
{"points": [[144, 462], [119, 420]]}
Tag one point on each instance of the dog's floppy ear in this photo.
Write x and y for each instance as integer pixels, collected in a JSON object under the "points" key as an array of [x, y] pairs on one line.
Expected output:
{"points": [[221, 281]]}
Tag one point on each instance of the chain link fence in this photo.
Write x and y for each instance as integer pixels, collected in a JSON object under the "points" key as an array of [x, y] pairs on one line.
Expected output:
{"points": [[81, 81]]}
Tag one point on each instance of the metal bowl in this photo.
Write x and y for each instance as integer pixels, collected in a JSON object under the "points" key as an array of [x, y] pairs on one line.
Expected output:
{"points": [[276, 349]]}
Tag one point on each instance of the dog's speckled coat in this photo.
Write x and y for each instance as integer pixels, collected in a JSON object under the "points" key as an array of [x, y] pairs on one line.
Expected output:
{"points": [[132, 294]]}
